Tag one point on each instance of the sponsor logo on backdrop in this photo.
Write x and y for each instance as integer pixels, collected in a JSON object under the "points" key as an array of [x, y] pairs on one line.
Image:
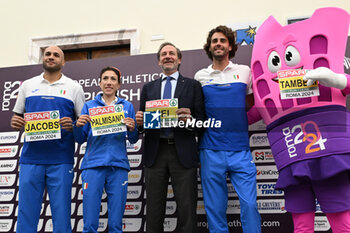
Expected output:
{"points": [[8, 165], [268, 189], [103, 210], [9, 137], [80, 225], [134, 176], [170, 193], [49, 225], [135, 160], [8, 151], [5, 225], [200, 208], [80, 210], [131, 224], [6, 209], [200, 191], [104, 195], [318, 206], [40, 224], [257, 126], [82, 148], [22, 138], [134, 192], [259, 139], [7, 180], [42, 208], [322, 224], [133, 147], [170, 224], [102, 224], [132, 208], [49, 213], [75, 163], [75, 147], [7, 194], [170, 207], [271, 206], [80, 194], [264, 206], [266, 172], [263, 156], [231, 190], [80, 181], [74, 191], [233, 207], [9, 95]]}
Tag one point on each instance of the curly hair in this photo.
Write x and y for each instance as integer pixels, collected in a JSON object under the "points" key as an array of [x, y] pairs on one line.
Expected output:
{"points": [[230, 36]]}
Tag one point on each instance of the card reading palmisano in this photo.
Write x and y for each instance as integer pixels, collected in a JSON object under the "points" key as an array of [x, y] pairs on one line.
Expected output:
{"points": [[107, 120]]}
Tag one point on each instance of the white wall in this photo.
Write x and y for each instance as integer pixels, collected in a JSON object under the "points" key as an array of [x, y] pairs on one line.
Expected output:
{"points": [[183, 22]]}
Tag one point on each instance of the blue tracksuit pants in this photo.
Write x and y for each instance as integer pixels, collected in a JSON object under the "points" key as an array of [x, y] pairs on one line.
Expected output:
{"points": [[33, 179], [238, 165], [115, 182]]}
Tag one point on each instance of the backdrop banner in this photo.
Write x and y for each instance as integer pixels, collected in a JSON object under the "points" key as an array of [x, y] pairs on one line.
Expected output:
{"points": [[136, 71]]}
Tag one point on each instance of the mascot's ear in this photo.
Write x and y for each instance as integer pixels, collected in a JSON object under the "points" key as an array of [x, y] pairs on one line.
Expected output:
{"points": [[269, 25]]}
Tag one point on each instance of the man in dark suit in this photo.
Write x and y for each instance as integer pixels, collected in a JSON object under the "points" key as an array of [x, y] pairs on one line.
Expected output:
{"points": [[172, 152]]}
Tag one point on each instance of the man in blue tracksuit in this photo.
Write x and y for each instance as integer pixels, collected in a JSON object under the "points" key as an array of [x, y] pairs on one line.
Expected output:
{"points": [[225, 151], [105, 164], [47, 163]]}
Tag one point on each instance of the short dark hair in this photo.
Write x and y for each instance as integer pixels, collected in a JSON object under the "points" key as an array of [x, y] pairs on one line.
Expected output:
{"points": [[179, 55], [112, 68], [230, 37]]}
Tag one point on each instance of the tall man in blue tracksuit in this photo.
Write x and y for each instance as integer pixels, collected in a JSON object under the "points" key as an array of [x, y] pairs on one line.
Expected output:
{"points": [[225, 151]]}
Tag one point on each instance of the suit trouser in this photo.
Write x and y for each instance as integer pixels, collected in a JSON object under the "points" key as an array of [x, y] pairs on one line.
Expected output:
{"points": [[238, 165], [184, 183], [33, 178]]}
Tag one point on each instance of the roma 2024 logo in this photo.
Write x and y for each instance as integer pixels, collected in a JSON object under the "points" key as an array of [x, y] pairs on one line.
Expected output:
{"points": [[307, 132]]}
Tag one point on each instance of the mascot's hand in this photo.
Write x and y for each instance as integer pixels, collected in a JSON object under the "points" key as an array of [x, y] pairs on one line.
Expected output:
{"points": [[326, 77]]}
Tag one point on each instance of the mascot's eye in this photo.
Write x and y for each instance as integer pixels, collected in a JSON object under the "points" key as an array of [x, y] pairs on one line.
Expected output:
{"points": [[292, 56], [274, 62]]}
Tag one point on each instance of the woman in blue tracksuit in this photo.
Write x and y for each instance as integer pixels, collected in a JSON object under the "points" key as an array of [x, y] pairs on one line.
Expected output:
{"points": [[105, 164]]}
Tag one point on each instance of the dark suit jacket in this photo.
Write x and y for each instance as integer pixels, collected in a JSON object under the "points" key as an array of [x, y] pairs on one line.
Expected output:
{"points": [[190, 95]]}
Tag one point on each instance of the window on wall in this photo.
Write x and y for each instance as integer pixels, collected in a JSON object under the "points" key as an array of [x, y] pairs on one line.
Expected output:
{"points": [[96, 52], [89, 45]]}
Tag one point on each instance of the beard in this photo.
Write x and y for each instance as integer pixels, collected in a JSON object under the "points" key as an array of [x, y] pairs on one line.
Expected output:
{"points": [[219, 56], [52, 69], [172, 68]]}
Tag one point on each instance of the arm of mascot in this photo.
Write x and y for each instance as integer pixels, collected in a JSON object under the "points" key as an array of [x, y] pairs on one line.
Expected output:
{"points": [[328, 78]]}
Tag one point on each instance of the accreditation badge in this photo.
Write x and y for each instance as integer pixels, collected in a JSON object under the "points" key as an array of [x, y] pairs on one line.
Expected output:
{"points": [[292, 85], [107, 120], [166, 108], [42, 126]]}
